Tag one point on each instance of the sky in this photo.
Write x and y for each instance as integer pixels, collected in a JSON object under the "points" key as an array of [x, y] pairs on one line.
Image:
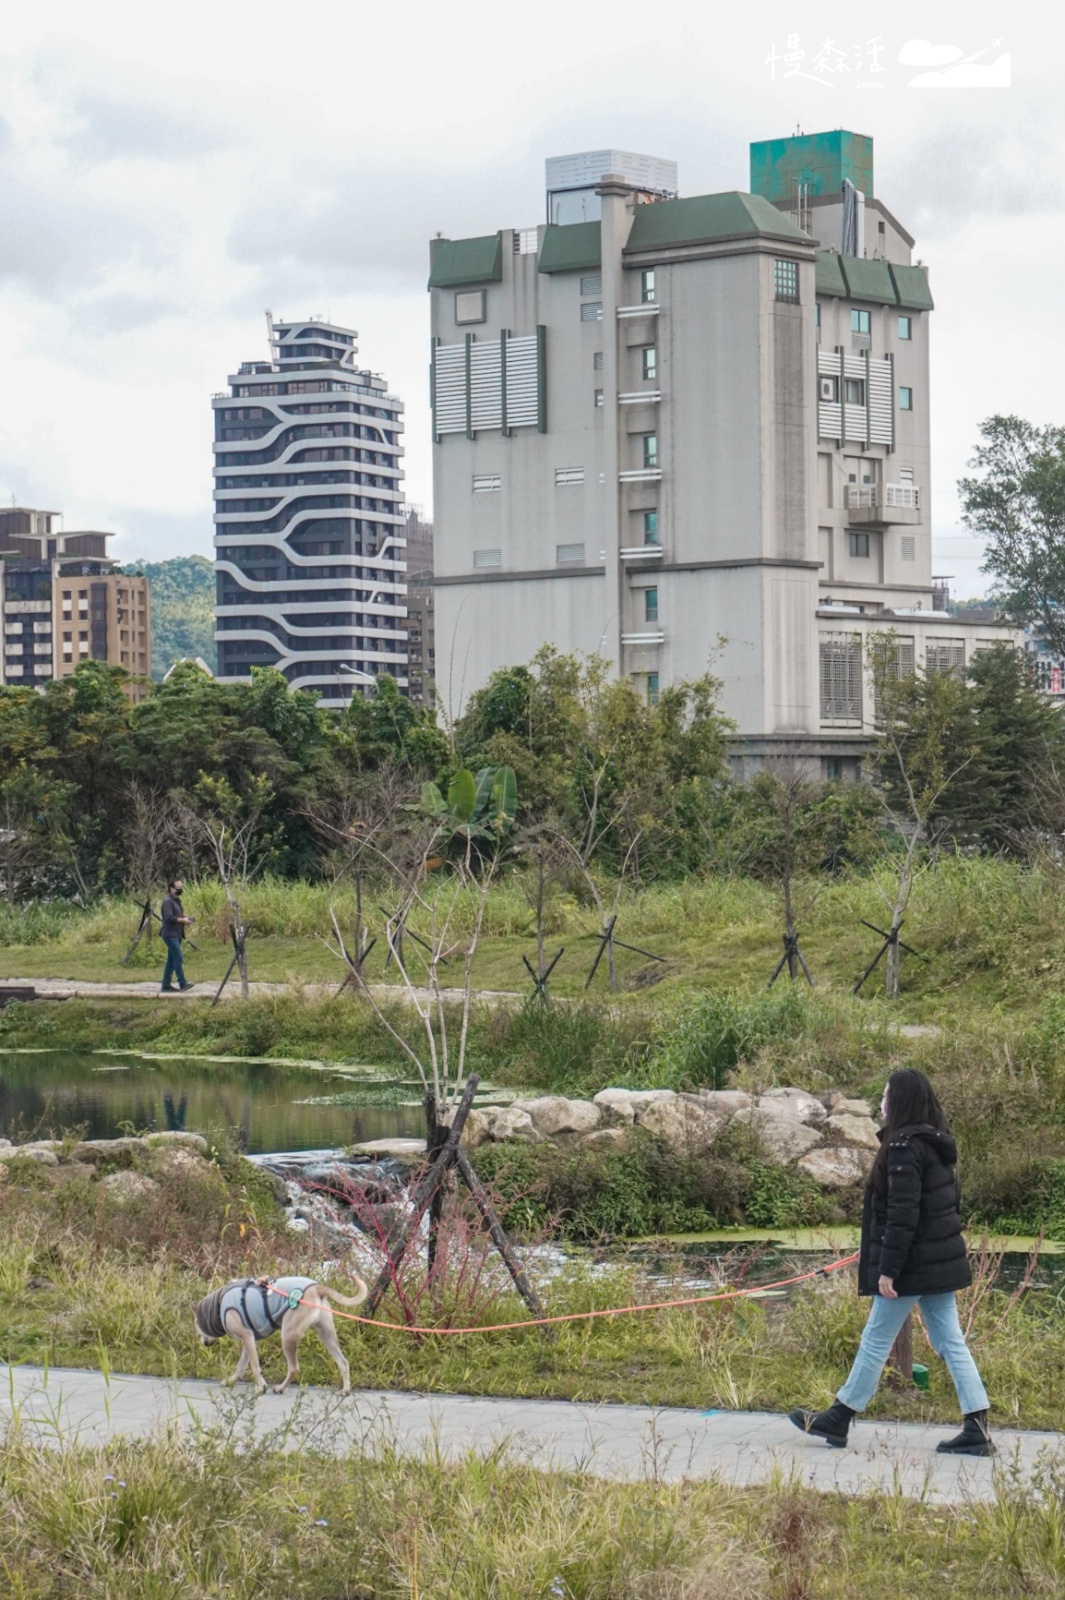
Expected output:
{"points": [[167, 174]]}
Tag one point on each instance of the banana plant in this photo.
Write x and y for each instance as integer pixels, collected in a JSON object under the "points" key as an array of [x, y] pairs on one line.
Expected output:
{"points": [[481, 808]]}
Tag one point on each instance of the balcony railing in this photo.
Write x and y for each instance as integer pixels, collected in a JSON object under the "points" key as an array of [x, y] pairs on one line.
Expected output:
{"points": [[641, 552], [896, 496], [907, 495]]}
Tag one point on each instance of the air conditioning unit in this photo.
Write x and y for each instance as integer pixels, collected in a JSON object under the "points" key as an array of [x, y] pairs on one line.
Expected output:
{"points": [[828, 388]]}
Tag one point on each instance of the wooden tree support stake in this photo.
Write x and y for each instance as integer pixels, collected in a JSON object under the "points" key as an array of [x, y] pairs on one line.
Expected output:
{"points": [[792, 958], [397, 935], [145, 927], [607, 941], [354, 974], [891, 940], [541, 981], [446, 1154], [240, 940]]}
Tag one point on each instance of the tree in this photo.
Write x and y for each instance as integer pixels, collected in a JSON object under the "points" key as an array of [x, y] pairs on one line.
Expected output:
{"points": [[1018, 505]]}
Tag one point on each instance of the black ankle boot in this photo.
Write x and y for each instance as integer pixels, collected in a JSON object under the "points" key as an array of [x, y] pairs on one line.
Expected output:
{"points": [[973, 1440], [830, 1425]]}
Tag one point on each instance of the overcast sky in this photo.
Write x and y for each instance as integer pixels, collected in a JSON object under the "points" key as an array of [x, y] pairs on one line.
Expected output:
{"points": [[168, 173]]}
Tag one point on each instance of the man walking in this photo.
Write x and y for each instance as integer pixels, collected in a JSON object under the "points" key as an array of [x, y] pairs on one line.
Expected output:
{"points": [[174, 923]]}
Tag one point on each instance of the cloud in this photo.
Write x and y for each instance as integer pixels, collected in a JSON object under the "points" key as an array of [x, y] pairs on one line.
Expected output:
{"points": [[111, 129], [919, 53], [967, 75]]}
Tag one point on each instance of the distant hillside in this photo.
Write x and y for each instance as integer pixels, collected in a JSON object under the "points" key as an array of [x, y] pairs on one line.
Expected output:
{"points": [[183, 594]]}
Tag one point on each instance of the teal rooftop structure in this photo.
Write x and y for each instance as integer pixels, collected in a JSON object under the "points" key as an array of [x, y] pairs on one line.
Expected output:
{"points": [[817, 161]]}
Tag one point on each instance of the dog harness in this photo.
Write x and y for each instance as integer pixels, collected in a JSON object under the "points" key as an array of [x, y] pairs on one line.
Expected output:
{"points": [[260, 1309]]}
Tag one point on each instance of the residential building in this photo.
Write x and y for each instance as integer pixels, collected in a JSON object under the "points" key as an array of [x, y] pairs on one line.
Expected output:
{"points": [[421, 615], [309, 520], [64, 602], [684, 432]]}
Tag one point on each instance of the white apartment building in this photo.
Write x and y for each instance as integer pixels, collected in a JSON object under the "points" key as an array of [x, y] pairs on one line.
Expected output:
{"points": [[684, 432], [309, 520]]}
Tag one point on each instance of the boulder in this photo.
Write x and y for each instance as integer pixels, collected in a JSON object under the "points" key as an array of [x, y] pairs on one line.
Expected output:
{"points": [[127, 1188], [507, 1122], [795, 1103], [184, 1141], [404, 1149], [727, 1100], [555, 1117], [40, 1144], [784, 1138], [835, 1169], [621, 1105], [853, 1130], [686, 1121], [120, 1152], [29, 1152], [605, 1139], [839, 1105], [175, 1161], [474, 1129]]}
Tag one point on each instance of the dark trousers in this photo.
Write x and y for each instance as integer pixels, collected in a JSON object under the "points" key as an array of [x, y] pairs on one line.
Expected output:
{"points": [[174, 967]]}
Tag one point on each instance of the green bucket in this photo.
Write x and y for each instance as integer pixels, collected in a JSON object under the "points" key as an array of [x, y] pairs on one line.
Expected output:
{"points": [[921, 1377]]}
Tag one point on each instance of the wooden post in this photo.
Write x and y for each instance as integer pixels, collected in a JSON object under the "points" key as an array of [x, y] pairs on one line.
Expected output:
{"points": [[498, 1235]]}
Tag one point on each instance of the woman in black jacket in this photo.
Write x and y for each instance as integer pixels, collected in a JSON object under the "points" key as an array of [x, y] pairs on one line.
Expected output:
{"points": [[912, 1254]]}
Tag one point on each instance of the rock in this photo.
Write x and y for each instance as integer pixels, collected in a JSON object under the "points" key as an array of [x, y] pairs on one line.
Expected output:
{"points": [[784, 1138], [555, 1117], [403, 1149], [126, 1188], [5, 1144], [184, 1141], [174, 1161], [853, 1130], [4, 1174], [839, 1105], [795, 1103], [507, 1122], [97, 1151], [686, 1121], [474, 1129], [606, 1139], [621, 1105], [727, 1100], [835, 1169], [29, 1152]]}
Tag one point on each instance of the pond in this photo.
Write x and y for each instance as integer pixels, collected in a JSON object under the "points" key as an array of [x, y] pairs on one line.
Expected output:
{"points": [[272, 1107]]}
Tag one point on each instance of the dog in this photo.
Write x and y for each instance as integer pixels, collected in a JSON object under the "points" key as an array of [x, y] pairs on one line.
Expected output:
{"points": [[250, 1309]]}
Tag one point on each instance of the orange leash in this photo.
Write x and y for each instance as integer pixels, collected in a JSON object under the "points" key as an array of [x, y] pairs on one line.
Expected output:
{"points": [[587, 1316]]}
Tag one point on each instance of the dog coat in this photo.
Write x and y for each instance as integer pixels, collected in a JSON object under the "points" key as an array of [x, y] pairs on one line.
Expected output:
{"points": [[260, 1310]]}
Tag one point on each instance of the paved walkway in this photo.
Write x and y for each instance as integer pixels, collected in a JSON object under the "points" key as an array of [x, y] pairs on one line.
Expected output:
{"points": [[610, 1440], [204, 989]]}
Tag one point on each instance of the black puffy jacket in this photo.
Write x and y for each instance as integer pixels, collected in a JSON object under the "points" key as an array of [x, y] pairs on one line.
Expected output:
{"points": [[911, 1232]]}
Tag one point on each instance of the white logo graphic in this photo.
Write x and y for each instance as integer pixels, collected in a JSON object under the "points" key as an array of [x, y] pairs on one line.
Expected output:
{"points": [[953, 69]]}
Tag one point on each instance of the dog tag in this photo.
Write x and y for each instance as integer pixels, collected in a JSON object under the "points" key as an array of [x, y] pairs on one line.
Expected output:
{"points": [[295, 1297]]}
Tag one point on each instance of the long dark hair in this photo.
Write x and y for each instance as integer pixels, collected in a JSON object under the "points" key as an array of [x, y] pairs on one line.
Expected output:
{"points": [[912, 1103]]}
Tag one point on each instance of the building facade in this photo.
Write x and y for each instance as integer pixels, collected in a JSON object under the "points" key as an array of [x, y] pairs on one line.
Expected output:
{"points": [[693, 432], [309, 520], [63, 603], [421, 612]]}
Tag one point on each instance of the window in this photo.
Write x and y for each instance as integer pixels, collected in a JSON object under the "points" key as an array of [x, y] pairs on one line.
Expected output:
{"points": [[488, 558], [597, 361], [854, 391], [593, 284], [905, 399], [569, 553], [908, 547], [592, 311], [650, 605], [859, 322], [652, 688], [858, 544], [647, 286], [944, 655], [832, 771], [817, 321], [568, 475], [841, 677], [525, 241], [486, 482], [598, 398], [650, 527], [786, 280], [905, 327], [649, 357], [650, 450], [469, 306]]}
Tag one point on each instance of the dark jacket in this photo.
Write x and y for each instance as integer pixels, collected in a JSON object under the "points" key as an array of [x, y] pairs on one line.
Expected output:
{"points": [[170, 927], [911, 1232]]}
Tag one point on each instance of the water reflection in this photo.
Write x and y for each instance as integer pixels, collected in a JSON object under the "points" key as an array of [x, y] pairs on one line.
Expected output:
{"points": [[97, 1095]]}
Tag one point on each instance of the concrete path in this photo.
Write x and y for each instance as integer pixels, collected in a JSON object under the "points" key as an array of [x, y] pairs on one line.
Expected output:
{"points": [[204, 989], [623, 1442]]}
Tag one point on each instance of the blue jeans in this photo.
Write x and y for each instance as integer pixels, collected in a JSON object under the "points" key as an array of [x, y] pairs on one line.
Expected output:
{"points": [[939, 1312], [174, 967]]}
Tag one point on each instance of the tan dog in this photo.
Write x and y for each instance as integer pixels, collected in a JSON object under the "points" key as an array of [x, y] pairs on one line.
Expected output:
{"points": [[250, 1309]]}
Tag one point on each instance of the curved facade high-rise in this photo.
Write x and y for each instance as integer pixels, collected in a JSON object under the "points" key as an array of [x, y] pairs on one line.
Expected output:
{"points": [[309, 525]]}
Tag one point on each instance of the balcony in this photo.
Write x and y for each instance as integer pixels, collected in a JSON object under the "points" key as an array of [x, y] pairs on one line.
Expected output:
{"points": [[650, 636], [641, 475], [641, 552], [646, 308], [640, 397], [894, 505]]}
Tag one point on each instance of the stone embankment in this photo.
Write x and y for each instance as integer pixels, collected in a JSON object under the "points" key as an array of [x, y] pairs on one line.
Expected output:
{"points": [[829, 1137], [136, 1168]]}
